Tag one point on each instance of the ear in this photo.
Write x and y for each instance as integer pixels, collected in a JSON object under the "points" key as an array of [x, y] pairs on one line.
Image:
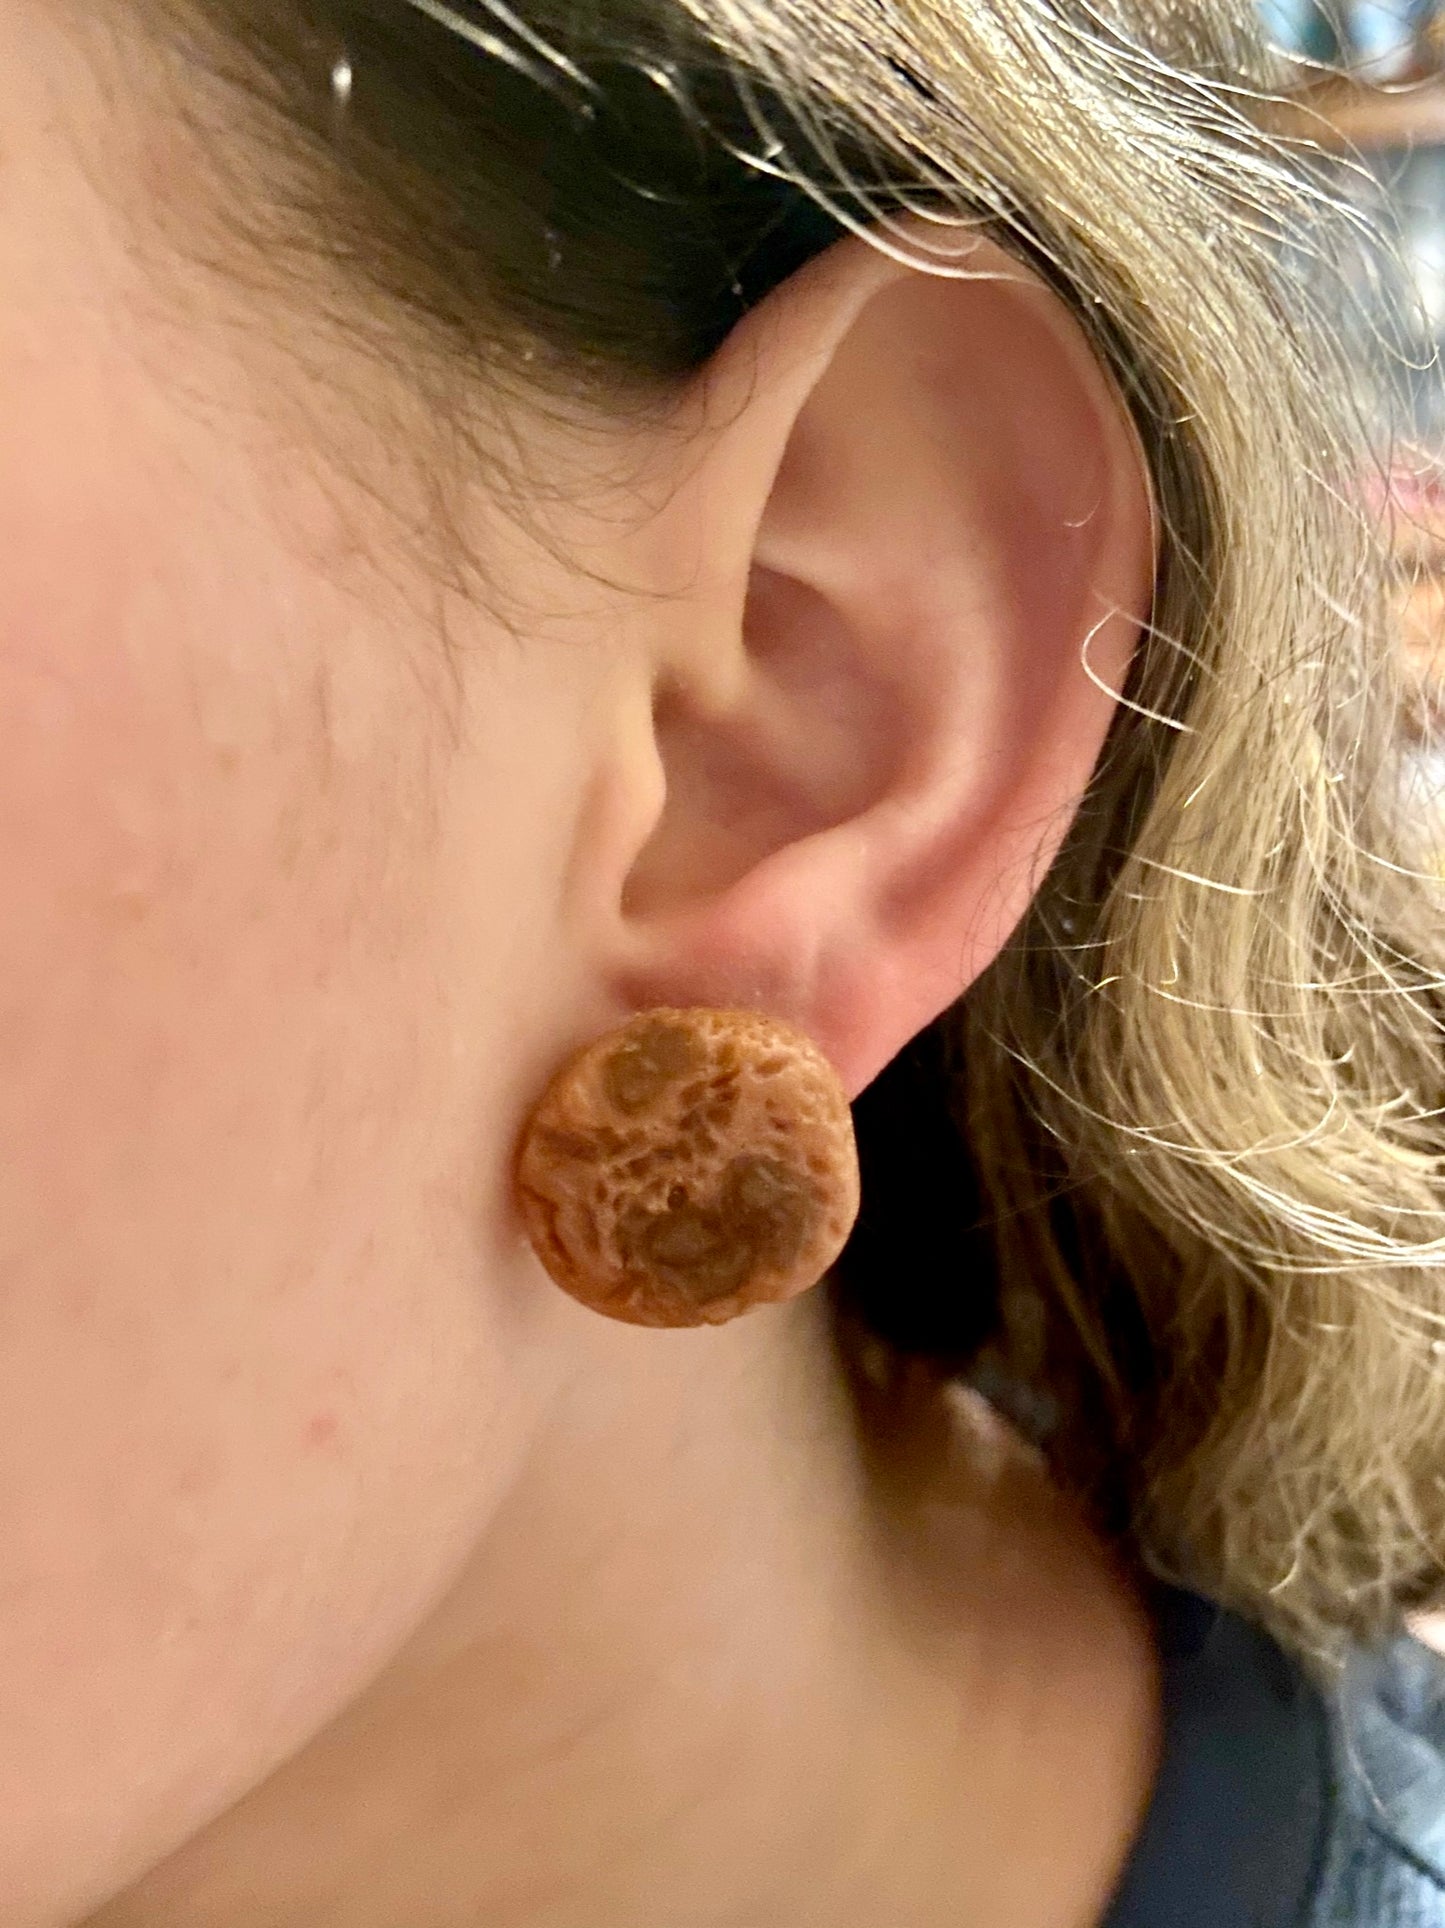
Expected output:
{"points": [[913, 552]]}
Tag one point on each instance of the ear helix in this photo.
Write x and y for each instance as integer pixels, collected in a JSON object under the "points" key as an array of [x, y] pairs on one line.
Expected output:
{"points": [[688, 1166]]}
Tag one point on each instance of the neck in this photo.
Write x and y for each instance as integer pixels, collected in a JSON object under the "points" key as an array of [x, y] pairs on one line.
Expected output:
{"points": [[711, 1663]]}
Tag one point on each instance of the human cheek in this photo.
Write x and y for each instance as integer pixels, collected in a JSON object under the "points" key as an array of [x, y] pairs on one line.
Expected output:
{"points": [[212, 1087]]}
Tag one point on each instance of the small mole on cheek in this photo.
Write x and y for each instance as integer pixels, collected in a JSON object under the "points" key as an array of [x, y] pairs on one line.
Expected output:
{"points": [[321, 1430], [130, 906]]}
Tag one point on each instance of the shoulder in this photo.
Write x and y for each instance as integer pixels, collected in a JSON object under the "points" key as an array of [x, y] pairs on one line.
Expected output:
{"points": [[1383, 1860], [1284, 1804]]}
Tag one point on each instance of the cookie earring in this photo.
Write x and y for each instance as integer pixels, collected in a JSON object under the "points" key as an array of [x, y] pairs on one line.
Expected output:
{"points": [[688, 1166]]}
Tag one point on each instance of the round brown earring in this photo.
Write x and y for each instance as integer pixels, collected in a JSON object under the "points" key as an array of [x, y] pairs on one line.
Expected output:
{"points": [[689, 1165]]}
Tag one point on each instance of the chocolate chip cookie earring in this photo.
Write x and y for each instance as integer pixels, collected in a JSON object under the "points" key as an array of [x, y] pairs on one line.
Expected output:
{"points": [[688, 1166]]}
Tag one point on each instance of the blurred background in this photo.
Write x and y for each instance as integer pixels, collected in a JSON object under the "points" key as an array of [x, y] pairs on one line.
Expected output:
{"points": [[1366, 79]]}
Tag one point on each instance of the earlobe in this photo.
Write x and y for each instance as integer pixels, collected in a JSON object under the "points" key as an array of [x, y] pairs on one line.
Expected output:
{"points": [[929, 510]]}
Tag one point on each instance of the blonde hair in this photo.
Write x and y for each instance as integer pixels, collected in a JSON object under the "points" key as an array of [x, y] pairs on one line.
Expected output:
{"points": [[1201, 1090], [1224, 1014]]}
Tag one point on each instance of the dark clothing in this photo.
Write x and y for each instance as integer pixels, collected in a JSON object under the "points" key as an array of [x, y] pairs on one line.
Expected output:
{"points": [[1281, 1806]]}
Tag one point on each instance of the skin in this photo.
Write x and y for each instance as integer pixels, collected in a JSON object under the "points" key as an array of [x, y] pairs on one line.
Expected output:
{"points": [[353, 1574]]}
